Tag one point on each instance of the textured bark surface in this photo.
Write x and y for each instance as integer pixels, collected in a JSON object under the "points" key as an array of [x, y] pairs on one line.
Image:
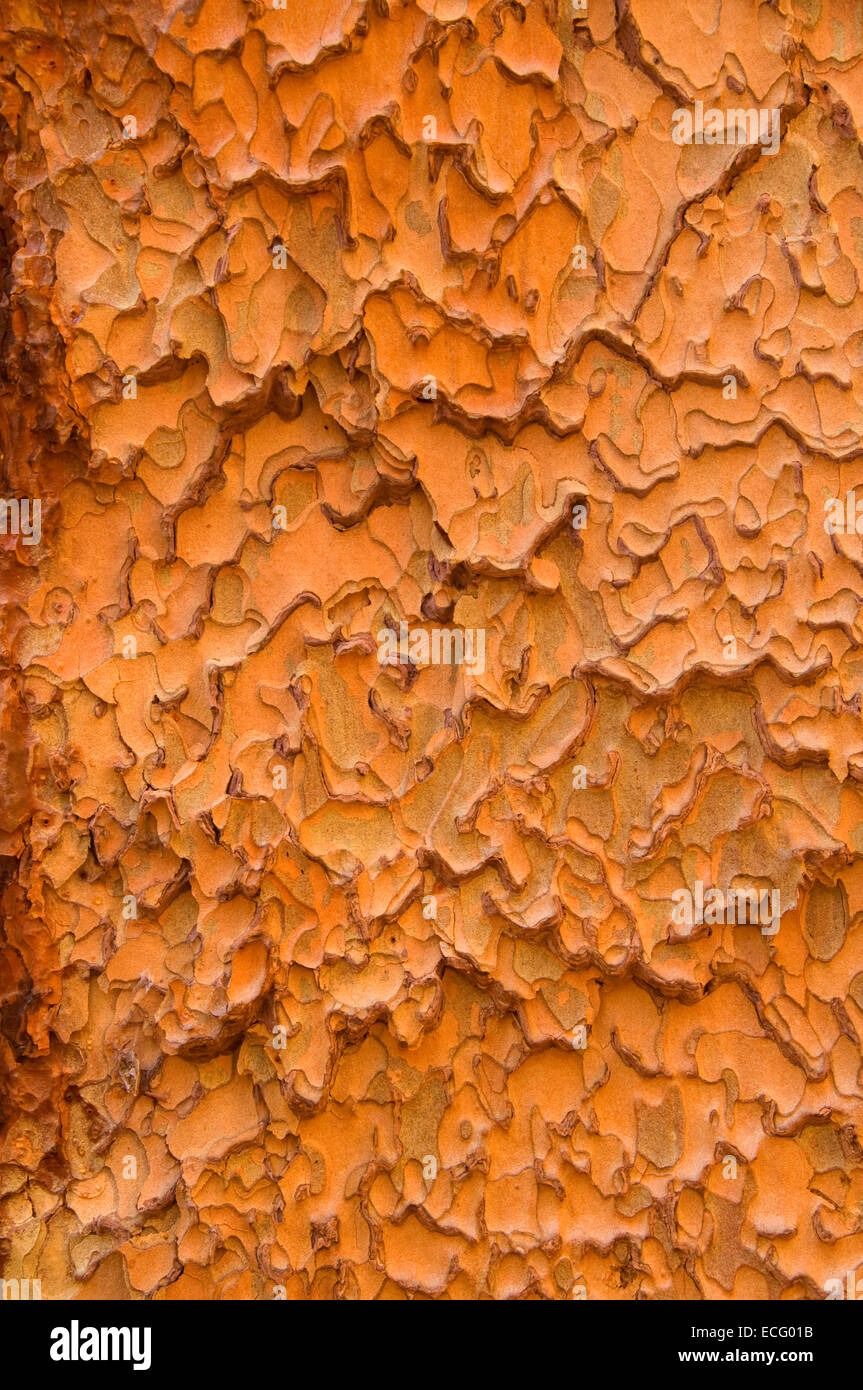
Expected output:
{"points": [[328, 976]]}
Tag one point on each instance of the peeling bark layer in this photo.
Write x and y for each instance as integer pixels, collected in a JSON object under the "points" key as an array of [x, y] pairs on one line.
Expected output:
{"points": [[341, 342]]}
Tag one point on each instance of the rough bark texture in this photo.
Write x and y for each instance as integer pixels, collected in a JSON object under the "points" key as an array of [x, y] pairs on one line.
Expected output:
{"points": [[332, 976]]}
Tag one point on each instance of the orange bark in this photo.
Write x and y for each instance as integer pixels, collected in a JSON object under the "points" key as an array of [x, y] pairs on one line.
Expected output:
{"points": [[433, 585]]}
